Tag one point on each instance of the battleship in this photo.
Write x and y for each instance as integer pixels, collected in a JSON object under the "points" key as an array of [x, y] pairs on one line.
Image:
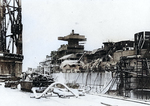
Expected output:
{"points": [[117, 68]]}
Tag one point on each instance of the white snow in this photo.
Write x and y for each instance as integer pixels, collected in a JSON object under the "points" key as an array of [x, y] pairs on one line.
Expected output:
{"points": [[16, 97], [68, 62], [66, 57]]}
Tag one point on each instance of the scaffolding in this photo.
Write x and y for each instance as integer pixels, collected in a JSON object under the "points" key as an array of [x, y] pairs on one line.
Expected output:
{"points": [[133, 74]]}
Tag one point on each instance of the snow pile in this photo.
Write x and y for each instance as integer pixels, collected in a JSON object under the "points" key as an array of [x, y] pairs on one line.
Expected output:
{"points": [[15, 97], [68, 62]]}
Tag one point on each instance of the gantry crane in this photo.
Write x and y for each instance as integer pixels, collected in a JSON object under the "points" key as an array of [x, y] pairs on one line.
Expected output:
{"points": [[11, 56]]}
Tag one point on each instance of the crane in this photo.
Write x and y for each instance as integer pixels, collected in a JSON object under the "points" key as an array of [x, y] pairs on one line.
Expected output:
{"points": [[11, 53]]}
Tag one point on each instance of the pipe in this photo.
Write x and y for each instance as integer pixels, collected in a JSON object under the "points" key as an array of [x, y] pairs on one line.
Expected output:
{"points": [[50, 87]]}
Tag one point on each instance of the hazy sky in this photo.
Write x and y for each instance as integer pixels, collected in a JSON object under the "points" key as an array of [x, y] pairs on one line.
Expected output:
{"points": [[98, 20]]}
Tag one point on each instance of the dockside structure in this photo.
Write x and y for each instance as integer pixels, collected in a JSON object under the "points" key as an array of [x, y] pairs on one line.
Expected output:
{"points": [[11, 56]]}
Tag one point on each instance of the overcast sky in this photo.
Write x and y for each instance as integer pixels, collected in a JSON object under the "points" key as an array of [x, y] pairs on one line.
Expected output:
{"points": [[98, 20]]}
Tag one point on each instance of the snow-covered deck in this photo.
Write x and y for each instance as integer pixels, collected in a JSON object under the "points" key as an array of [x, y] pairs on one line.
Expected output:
{"points": [[16, 97]]}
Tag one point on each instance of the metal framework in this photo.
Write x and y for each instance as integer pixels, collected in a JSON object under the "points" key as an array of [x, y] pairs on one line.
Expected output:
{"points": [[10, 37], [134, 75], [11, 26]]}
